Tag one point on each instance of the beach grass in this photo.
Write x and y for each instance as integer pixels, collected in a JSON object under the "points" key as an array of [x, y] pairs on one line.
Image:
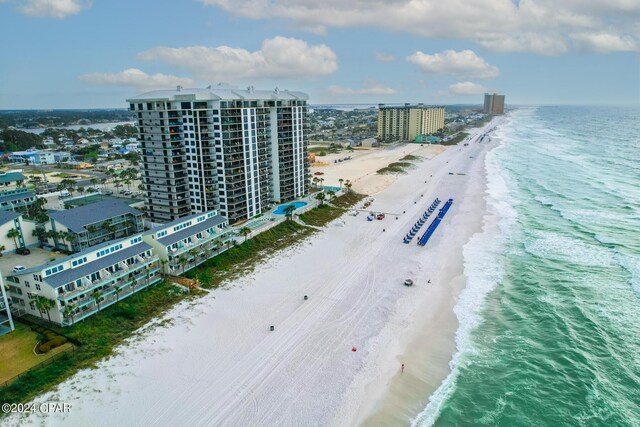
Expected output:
{"points": [[411, 158], [457, 139], [98, 334], [394, 168], [347, 200], [321, 215]]}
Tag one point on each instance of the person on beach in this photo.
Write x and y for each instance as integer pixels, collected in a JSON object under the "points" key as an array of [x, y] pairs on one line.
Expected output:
{"points": [[402, 369]]}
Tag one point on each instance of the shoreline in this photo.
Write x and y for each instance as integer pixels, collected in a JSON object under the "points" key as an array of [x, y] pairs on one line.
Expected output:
{"points": [[215, 361], [428, 345]]}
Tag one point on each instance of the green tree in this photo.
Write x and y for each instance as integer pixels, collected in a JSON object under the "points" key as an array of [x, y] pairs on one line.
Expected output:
{"points": [[117, 290], [288, 212], [183, 261], [14, 234], [97, 297], [246, 232], [69, 312], [320, 197], [43, 305]]}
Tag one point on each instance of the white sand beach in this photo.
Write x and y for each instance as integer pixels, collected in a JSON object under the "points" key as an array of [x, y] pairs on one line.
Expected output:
{"points": [[216, 362]]}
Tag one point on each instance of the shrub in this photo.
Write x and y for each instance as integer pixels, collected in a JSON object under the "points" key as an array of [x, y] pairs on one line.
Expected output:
{"points": [[44, 348]]}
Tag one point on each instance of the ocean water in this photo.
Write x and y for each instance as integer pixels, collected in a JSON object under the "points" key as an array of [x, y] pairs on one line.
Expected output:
{"points": [[550, 318]]}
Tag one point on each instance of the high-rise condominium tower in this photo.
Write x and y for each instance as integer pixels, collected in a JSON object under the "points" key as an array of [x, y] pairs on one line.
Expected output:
{"points": [[232, 150], [493, 104], [408, 121]]}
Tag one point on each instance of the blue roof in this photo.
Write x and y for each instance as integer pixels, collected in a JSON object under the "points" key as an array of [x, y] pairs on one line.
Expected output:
{"points": [[11, 177], [16, 196], [6, 216], [69, 275], [193, 229], [77, 218]]}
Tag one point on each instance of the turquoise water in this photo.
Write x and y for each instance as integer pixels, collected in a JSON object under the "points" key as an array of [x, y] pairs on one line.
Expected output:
{"points": [[550, 319], [281, 208]]}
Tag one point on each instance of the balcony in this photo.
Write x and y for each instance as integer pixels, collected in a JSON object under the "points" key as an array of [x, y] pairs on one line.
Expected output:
{"points": [[107, 277]]}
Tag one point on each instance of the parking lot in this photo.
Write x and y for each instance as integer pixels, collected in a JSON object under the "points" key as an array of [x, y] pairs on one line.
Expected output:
{"points": [[36, 257]]}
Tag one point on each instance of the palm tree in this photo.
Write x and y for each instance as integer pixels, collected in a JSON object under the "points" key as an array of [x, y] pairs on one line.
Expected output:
{"points": [[193, 253], [320, 197], [341, 181], [43, 305], [53, 235], [97, 297], [348, 185], [109, 228], [103, 182], [93, 181], [246, 232], [288, 212], [134, 283], [163, 263], [2, 249], [218, 243], [69, 311], [331, 194], [13, 234], [315, 181], [183, 262], [321, 180], [117, 290]]}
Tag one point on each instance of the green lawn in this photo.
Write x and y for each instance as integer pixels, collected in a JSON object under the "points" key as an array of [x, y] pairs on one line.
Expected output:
{"points": [[99, 334], [16, 352]]}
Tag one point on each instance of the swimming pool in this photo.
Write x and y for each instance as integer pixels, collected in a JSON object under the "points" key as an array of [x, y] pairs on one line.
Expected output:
{"points": [[281, 208]]}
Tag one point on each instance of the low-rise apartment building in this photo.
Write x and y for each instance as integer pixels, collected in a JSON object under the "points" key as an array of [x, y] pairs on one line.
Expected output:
{"points": [[22, 239], [93, 224], [6, 321], [189, 241], [11, 179], [16, 200], [84, 283]]}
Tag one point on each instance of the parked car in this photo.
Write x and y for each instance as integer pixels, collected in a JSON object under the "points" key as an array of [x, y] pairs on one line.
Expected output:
{"points": [[23, 251], [108, 192], [19, 268], [124, 191], [127, 193]]}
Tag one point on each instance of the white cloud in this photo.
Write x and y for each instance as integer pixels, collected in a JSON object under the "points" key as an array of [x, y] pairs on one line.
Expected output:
{"points": [[384, 57], [370, 87], [463, 63], [53, 8], [605, 42], [540, 26], [279, 57], [136, 78], [466, 88]]}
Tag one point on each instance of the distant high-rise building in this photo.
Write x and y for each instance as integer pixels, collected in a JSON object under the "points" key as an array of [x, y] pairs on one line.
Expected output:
{"points": [[408, 121], [225, 149], [493, 104]]}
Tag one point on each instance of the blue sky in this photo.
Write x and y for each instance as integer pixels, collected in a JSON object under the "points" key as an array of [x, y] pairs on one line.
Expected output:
{"points": [[81, 54]]}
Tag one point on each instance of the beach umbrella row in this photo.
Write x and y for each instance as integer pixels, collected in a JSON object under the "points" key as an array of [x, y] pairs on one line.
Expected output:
{"points": [[416, 227]]}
